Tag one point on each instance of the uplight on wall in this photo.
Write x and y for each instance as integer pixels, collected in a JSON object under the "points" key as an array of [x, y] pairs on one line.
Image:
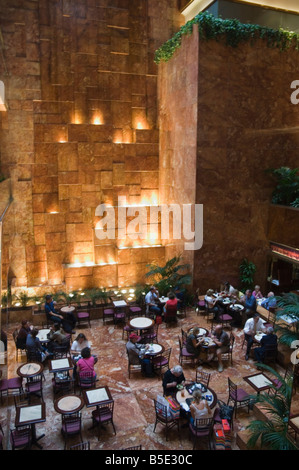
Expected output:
{"points": [[3, 106], [97, 119]]}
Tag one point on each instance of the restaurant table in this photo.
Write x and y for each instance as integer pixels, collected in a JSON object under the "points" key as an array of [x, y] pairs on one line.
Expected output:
{"points": [[163, 300], [60, 365], [31, 414], [97, 396], [68, 404], [208, 343], [259, 382], [119, 303], [209, 395], [154, 350], [259, 336], [68, 309], [42, 335], [141, 323], [202, 331], [30, 369]]}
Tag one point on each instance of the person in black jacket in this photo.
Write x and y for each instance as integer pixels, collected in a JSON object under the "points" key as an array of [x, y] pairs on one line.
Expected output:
{"points": [[269, 339], [171, 379]]}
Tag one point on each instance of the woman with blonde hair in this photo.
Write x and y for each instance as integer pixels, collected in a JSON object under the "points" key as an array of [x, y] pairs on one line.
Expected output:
{"points": [[199, 408]]}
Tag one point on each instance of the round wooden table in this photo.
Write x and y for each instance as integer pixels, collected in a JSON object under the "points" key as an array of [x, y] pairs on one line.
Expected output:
{"points": [[68, 404], [202, 331], [68, 309], [141, 323], [30, 369], [154, 350], [209, 395]]}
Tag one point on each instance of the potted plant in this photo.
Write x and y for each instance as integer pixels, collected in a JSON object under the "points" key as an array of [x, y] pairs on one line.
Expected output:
{"points": [[288, 305], [273, 432], [169, 276], [247, 270], [286, 191], [22, 299]]}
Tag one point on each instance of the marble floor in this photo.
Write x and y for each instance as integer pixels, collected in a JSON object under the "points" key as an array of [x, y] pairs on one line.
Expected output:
{"points": [[134, 415]]}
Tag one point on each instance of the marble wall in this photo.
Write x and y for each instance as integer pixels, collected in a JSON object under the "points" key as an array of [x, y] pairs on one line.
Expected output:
{"points": [[81, 130], [245, 124]]}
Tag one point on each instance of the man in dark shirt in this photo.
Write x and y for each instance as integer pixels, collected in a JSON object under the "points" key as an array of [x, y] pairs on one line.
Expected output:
{"points": [[171, 379], [249, 302], [221, 339], [269, 339], [52, 315]]}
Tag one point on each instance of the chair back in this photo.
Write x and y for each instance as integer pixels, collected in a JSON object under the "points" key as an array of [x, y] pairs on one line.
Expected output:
{"points": [[161, 411], [71, 424], [203, 425], [270, 353], [86, 379], [203, 378], [232, 390], [184, 336], [21, 437], [15, 335], [81, 446]]}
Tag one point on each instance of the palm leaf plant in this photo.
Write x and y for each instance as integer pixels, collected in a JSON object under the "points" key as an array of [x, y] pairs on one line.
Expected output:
{"points": [[273, 432], [169, 276], [287, 185], [247, 270], [289, 305]]}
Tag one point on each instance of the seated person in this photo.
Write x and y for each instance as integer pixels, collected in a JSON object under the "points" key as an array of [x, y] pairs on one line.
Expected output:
{"points": [[87, 362], [34, 346], [252, 326], [79, 343], [270, 301], [180, 297], [257, 292], [22, 335], [57, 337], [55, 317], [171, 379], [269, 339], [249, 303], [228, 288], [221, 339], [211, 303], [151, 300], [136, 354], [171, 306], [192, 345], [199, 408]]}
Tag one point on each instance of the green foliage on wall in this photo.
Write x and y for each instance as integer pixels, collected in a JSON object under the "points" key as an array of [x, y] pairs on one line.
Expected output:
{"points": [[231, 31]]}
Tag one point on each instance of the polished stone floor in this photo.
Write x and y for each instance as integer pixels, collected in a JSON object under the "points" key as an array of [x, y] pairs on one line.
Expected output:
{"points": [[134, 414]]}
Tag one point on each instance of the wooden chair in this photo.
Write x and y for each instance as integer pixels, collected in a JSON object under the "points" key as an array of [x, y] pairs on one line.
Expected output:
{"points": [[202, 377], [238, 396], [229, 354], [21, 437], [81, 446], [163, 418], [103, 415], [83, 317], [71, 426], [133, 367], [161, 362], [185, 356], [18, 348], [202, 429]]}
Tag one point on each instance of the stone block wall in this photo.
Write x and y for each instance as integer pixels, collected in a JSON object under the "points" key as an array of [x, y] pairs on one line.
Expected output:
{"points": [[81, 130]]}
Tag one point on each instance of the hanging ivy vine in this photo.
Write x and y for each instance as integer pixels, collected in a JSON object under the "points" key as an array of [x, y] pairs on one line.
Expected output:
{"points": [[231, 31]]}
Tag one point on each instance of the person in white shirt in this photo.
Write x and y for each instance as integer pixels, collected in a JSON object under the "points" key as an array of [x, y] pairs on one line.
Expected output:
{"points": [[151, 300], [80, 343], [252, 326]]}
